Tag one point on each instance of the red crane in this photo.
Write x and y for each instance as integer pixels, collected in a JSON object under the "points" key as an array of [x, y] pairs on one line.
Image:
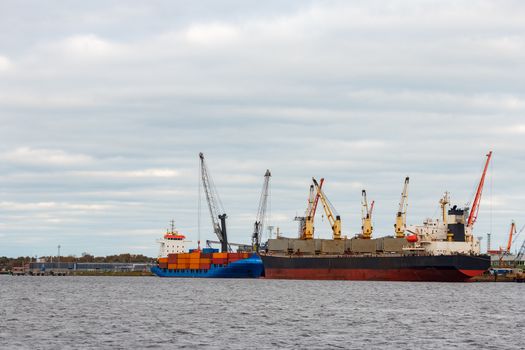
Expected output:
{"points": [[477, 199]]}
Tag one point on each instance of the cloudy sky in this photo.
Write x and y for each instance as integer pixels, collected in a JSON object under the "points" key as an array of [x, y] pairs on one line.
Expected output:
{"points": [[105, 105]]}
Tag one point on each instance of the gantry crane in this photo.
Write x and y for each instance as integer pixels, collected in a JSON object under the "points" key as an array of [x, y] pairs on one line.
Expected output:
{"points": [[400, 225], [477, 199], [366, 216], [214, 205], [258, 226], [333, 218]]}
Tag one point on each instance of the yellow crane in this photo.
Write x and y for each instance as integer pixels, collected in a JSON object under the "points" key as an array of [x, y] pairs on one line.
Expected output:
{"points": [[366, 216], [313, 199], [400, 225], [331, 213]]}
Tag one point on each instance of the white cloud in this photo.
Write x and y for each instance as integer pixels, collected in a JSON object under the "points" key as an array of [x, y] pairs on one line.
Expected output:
{"points": [[13, 206], [35, 156], [211, 33], [144, 173], [89, 46], [5, 64]]}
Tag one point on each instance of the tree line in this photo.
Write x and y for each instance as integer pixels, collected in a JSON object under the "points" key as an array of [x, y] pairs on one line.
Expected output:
{"points": [[7, 264]]}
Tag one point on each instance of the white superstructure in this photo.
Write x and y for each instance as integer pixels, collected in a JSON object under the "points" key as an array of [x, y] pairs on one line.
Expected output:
{"points": [[450, 235], [172, 242]]}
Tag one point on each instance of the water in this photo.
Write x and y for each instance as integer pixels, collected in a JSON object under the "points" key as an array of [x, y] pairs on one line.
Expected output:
{"points": [[149, 312]]}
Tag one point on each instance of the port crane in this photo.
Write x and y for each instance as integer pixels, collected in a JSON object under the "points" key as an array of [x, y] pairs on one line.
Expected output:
{"points": [[400, 225], [366, 216], [214, 205], [258, 226], [306, 222], [477, 199], [331, 213]]}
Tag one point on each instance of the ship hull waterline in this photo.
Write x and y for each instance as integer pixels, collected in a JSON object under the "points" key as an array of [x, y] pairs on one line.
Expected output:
{"points": [[454, 268]]}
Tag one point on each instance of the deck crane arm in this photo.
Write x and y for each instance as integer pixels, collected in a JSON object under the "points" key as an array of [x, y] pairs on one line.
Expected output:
{"points": [[366, 216], [400, 225], [331, 213], [521, 252], [313, 200], [261, 213], [512, 231], [477, 199], [213, 205]]}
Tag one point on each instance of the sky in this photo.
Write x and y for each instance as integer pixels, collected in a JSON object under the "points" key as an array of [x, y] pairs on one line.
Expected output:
{"points": [[105, 105]]}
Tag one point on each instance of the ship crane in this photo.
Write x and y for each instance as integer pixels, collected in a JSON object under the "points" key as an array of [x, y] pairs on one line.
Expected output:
{"points": [[520, 254], [214, 205], [261, 213], [366, 216], [400, 225], [477, 199], [512, 231], [306, 228], [331, 213]]}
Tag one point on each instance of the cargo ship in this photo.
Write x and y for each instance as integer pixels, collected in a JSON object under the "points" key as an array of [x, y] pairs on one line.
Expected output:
{"points": [[174, 261], [424, 255], [443, 250]]}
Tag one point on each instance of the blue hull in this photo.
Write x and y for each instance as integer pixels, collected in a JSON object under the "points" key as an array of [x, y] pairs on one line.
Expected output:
{"points": [[245, 268]]}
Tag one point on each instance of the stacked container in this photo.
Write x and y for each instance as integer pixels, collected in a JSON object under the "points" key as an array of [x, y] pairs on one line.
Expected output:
{"points": [[163, 263], [219, 259], [194, 260]]}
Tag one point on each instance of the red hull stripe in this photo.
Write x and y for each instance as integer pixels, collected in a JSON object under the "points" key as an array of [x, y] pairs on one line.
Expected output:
{"points": [[429, 274]]}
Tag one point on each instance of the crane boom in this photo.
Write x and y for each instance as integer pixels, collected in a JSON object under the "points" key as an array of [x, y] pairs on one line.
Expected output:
{"points": [[331, 214], [313, 200], [512, 231], [400, 225], [261, 212], [477, 199], [521, 252], [213, 205], [366, 216]]}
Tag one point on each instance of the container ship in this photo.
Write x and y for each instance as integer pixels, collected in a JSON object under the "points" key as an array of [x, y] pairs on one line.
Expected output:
{"points": [[174, 261], [443, 250]]}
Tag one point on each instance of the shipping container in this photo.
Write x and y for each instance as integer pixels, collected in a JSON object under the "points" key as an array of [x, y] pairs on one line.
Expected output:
{"points": [[163, 265], [220, 255], [204, 266], [219, 261], [163, 260], [172, 266], [210, 250]]}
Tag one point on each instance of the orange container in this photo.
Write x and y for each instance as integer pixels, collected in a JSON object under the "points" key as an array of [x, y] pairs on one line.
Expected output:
{"points": [[204, 266], [194, 266], [220, 255], [163, 260], [172, 266], [163, 265], [195, 255], [205, 261], [219, 261]]}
